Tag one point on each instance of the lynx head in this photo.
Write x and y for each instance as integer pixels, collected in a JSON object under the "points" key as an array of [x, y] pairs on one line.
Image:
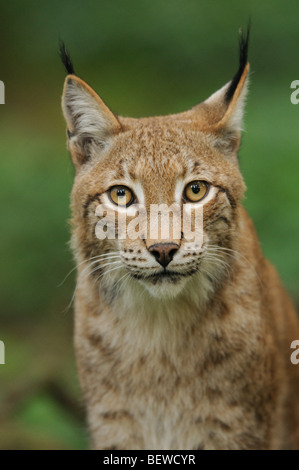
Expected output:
{"points": [[126, 166]]}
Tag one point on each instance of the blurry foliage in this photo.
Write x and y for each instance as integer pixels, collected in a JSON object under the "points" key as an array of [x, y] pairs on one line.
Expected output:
{"points": [[143, 57]]}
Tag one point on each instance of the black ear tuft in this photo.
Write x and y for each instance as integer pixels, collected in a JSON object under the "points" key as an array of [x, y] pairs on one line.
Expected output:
{"points": [[65, 57], [243, 54]]}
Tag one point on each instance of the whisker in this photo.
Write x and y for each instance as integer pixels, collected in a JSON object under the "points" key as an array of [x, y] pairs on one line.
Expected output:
{"points": [[97, 261], [109, 271], [212, 275], [216, 253], [97, 268], [86, 261], [124, 276], [98, 258], [218, 262], [71, 301], [224, 250]]}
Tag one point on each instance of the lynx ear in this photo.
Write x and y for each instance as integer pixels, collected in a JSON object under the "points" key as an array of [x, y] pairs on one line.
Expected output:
{"points": [[221, 114], [88, 119]]}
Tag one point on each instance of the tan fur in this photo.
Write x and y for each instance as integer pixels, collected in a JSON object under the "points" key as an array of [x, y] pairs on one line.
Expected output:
{"points": [[200, 363]]}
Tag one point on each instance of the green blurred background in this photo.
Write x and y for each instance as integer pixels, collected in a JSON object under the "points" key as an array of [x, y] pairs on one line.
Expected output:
{"points": [[143, 57]]}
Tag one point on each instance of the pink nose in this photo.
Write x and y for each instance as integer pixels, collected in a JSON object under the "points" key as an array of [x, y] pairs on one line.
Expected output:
{"points": [[163, 252]]}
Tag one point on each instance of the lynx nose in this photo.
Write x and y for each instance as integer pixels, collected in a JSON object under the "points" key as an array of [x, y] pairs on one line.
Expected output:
{"points": [[163, 252]]}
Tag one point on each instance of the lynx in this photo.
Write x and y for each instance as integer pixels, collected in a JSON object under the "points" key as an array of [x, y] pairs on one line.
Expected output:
{"points": [[179, 344]]}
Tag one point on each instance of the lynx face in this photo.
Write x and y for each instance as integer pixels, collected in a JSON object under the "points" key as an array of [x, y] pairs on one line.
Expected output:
{"points": [[153, 165], [187, 161]]}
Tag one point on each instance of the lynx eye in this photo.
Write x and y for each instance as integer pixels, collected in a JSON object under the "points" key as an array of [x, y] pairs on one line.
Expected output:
{"points": [[196, 190], [121, 196]]}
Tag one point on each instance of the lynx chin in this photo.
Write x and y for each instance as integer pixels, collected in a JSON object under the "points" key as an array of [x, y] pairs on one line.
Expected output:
{"points": [[179, 344]]}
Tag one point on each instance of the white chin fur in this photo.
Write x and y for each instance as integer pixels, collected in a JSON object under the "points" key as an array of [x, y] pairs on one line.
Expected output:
{"points": [[165, 288]]}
